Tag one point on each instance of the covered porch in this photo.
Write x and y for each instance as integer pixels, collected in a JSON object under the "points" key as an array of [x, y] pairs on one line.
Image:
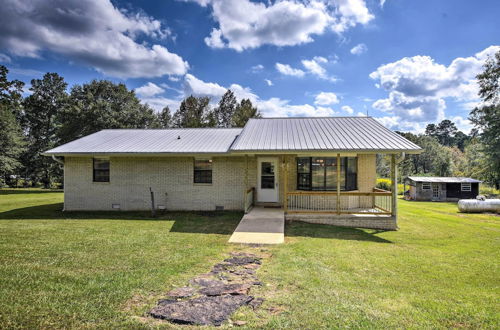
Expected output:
{"points": [[363, 206]]}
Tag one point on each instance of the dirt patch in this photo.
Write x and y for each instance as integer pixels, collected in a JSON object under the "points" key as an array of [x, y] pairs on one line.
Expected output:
{"points": [[211, 298]]}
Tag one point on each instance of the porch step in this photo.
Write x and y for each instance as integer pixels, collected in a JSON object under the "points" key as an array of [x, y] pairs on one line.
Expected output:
{"points": [[269, 205]]}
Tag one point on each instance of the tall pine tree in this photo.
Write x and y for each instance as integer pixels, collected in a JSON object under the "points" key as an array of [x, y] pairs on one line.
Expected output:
{"points": [[42, 109]]}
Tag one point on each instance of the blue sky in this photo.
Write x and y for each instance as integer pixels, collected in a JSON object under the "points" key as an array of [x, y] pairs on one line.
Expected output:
{"points": [[406, 63]]}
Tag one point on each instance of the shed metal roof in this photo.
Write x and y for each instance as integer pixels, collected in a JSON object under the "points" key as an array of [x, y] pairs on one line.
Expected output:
{"points": [[438, 179], [130, 141], [320, 134]]}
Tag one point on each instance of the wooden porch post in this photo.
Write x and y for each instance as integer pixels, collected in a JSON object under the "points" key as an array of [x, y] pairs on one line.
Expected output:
{"points": [[246, 185], [394, 184], [285, 184], [338, 184]]}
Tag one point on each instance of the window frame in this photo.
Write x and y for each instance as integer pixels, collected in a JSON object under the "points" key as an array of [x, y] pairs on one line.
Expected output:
{"points": [[195, 177], [424, 184], [344, 163], [94, 169], [466, 184]]}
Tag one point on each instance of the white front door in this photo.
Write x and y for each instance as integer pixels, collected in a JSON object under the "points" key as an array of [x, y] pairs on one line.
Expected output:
{"points": [[267, 185]]}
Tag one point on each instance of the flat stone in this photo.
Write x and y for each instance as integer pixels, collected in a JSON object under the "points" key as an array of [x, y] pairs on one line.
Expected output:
{"points": [[251, 266], [239, 323], [256, 302], [243, 260], [232, 289], [181, 292], [200, 311], [243, 254], [205, 280]]}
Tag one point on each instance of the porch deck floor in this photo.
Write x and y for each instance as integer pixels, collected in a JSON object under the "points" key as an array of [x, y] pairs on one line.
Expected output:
{"points": [[260, 226]]}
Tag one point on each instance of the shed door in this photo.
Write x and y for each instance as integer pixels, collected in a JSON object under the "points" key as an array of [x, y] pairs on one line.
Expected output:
{"points": [[267, 187], [435, 191]]}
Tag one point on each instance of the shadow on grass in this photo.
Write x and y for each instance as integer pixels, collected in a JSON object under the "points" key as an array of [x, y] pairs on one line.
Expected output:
{"points": [[184, 222], [29, 191], [302, 229]]}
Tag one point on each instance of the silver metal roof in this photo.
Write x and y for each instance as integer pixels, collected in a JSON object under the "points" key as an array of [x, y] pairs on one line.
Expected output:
{"points": [[320, 134], [443, 179], [130, 141]]}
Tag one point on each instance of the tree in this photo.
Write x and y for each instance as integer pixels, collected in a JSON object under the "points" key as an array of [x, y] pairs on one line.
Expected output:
{"points": [[165, 118], [224, 112], [194, 112], [486, 118], [11, 138], [42, 108], [445, 132], [243, 112], [103, 104]]}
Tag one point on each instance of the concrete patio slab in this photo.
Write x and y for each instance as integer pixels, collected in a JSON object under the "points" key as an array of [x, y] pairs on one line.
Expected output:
{"points": [[260, 226]]}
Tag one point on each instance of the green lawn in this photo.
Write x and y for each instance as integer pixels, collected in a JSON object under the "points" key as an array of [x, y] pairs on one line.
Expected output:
{"points": [[440, 270]]}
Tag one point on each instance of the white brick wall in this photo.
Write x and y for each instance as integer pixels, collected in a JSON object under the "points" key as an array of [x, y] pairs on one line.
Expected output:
{"points": [[170, 178]]}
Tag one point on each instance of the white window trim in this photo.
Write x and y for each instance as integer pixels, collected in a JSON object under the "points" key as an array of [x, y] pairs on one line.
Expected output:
{"points": [[466, 186], [426, 184]]}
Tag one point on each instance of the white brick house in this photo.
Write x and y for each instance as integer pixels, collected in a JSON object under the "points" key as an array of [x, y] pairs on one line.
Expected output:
{"points": [[287, 162]]}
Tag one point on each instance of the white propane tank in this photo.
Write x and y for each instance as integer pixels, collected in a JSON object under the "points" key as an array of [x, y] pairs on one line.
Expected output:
{"points": [[476, 205]]}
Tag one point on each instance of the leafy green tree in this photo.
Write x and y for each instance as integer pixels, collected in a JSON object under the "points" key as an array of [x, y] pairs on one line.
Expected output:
{"points": [[102, 104], [487, 117], [165, 118], [42, 109], [243, 112], [224, 112], [445, 132], [11, 138], [194, 112]]}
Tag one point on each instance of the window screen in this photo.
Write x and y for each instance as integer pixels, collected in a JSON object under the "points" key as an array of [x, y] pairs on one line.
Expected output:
{"points": [[100, 170], [466, 186], [426, 185], [202, 171]]}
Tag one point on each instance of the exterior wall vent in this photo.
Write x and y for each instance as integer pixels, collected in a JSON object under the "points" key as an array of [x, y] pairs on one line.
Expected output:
{"points": [[219, 208], [162, 207], [115, 206]]}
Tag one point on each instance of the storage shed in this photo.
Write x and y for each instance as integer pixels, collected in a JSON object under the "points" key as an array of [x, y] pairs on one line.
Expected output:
{"points": [[440, 189]]}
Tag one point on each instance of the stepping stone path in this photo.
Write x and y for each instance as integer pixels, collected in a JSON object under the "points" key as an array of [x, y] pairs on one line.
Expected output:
{"points": [[211, 298]]}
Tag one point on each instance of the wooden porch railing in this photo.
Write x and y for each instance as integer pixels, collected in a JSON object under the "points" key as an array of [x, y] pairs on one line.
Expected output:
{"points": [[377, 201], [249, 199]]}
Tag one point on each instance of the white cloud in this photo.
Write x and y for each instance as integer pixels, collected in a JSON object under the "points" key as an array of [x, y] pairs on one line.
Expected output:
{"points": [[418, 86], [268, 82], [158, 103], [257, 68], [150, 89], [382, 3], [245, 24], [359, 49], [350, 13], [288, 70], [326, 98], [273, 107], [4, 58], [348, 109], [313, 66], [93, 32]]}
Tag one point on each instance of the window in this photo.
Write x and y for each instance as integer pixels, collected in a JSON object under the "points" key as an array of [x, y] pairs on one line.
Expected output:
{"points": [[466, 186], [202, 171], [320, 173], [426, 186], [267, 175], [101, 170]]}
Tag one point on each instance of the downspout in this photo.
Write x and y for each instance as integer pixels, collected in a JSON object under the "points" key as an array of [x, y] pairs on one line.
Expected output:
{"points": [[60, 161]]}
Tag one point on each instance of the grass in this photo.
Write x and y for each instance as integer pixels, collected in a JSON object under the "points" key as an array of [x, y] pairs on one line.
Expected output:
{"points": [[104, 270]]}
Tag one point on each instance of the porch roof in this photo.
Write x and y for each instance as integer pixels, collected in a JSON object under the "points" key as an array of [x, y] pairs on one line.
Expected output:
{"points": [[321, 134], [442, 179]]}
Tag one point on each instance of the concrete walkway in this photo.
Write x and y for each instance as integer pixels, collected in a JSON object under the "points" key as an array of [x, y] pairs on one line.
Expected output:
{"points": [[260, 226]]}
